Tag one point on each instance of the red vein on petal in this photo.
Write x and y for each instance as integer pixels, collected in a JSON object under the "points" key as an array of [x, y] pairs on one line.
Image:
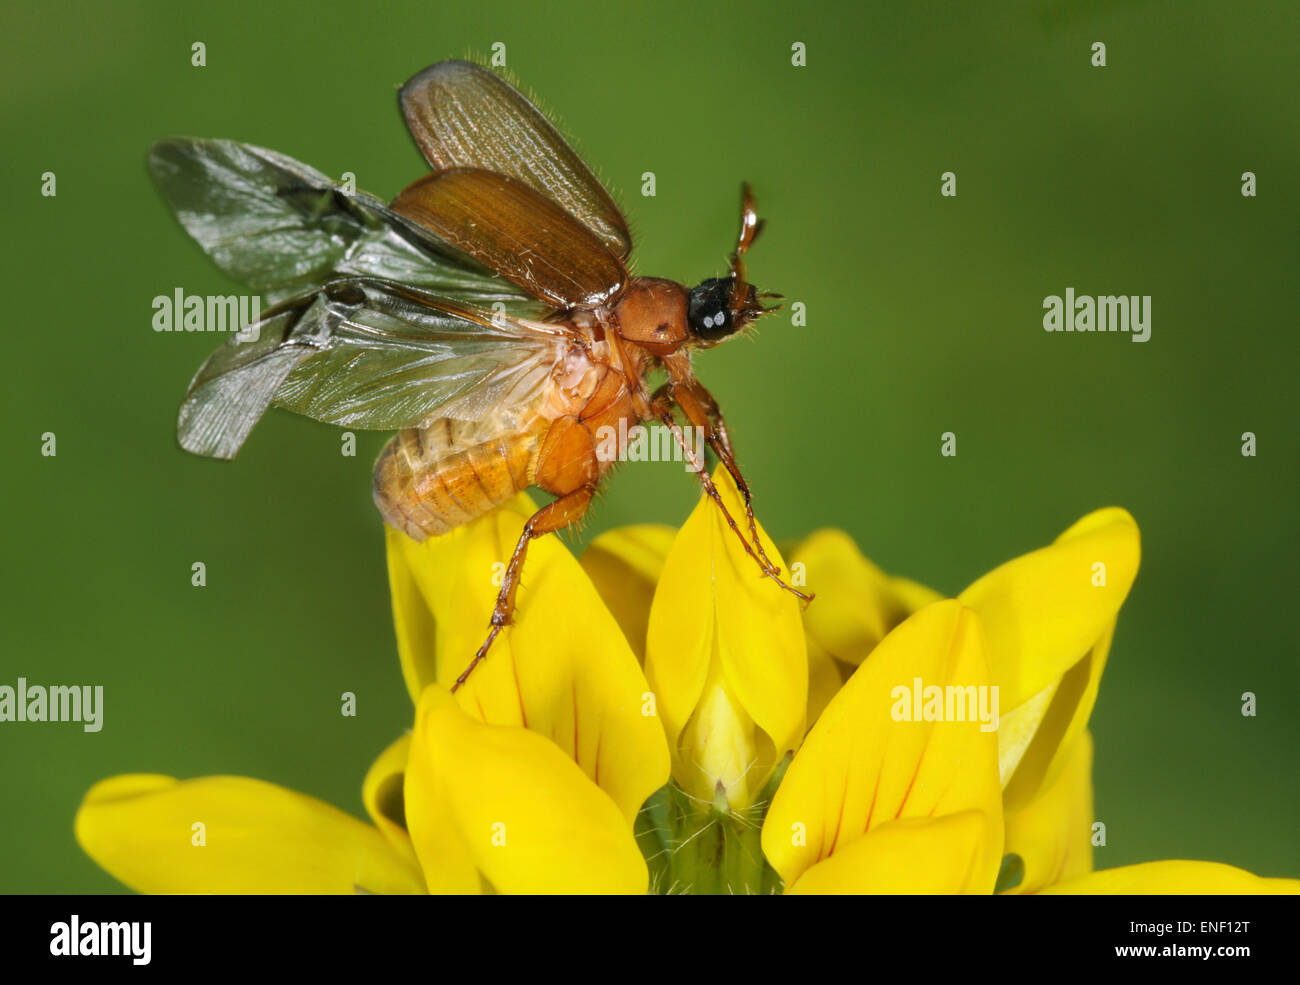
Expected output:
{"points": [[821, 835], [907, 793], [514, 669], [821, 843], [840, 820], [880, 772], [929, 735], [875, 793], [574, 691], [939, 799], [1065, 857]]}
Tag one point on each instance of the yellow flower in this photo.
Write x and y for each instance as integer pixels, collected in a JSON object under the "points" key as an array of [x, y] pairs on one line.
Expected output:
{"points": [[726, 660], [871, 804], [528, 780], [230, 834], [564, 670], [549, 770], [874, 803], [1042, 626]]}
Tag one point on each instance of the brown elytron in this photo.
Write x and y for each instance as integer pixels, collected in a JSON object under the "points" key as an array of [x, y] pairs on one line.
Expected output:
{"points": [[489, 400]]}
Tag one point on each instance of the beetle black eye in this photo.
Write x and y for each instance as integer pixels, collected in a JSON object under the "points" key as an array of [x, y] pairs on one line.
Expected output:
{"points": [[708, 310]]}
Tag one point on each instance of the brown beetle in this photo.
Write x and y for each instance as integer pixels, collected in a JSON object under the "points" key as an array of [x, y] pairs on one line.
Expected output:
{"points": [[422, 316]]}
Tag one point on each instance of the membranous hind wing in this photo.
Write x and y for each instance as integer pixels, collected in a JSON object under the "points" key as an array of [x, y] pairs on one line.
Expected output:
{"points": [[366, 353], [282, 228], [464, 116]]}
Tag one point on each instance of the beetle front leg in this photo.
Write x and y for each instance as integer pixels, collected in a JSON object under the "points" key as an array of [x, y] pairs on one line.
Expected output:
{"points": [[662, 407], [702, 411]]}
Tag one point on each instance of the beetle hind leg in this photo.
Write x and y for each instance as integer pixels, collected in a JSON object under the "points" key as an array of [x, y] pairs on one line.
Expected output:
{"points": [[555, 516]]}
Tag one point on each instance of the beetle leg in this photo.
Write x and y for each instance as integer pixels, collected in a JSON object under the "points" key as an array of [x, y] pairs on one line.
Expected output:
{"points": [[711, 491], [554, 516], [702, 410]]}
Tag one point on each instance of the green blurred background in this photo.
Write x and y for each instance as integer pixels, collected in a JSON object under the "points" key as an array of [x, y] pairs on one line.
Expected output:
{"points": [[924, 316]]}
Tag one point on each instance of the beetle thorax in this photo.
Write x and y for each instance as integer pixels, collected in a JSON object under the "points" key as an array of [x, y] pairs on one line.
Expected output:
{"points": [[652, 314]]}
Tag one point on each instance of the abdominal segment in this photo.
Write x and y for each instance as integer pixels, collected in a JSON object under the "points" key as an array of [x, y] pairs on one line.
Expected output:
{"points": [[431, 480]]}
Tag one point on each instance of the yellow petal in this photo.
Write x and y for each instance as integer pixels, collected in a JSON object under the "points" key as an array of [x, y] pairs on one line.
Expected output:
{"points": [[1053, 833], [912, 595], [624, 565], [1062, 725], [913, 856], [721, 747], [717, 620], [381, 791], [1175, 878], [257, 838], [857, 603], [1044, 611], [505, 802], [824, 680], [855, 607], [417, 638], [1017, 731], [1051, 615], [861, 767], [563, 669], [450, 867]]}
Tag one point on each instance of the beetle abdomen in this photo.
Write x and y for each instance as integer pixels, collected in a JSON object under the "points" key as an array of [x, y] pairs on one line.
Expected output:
{"points": [[431, 480]]}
